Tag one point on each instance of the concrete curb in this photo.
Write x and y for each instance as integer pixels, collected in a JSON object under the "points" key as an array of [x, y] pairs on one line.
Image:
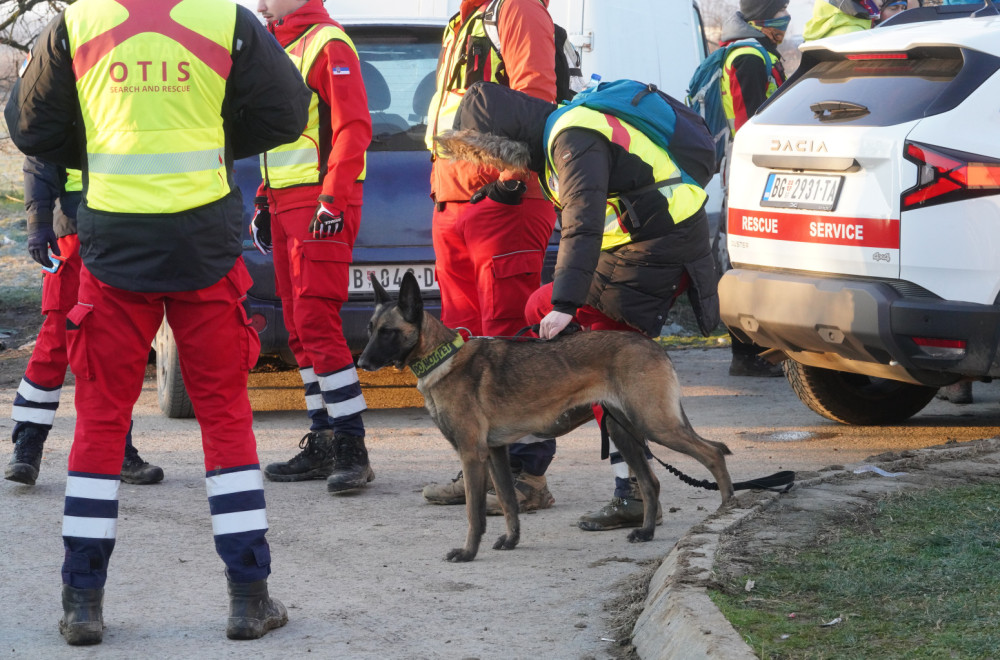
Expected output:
{"points": [[679, 620]]}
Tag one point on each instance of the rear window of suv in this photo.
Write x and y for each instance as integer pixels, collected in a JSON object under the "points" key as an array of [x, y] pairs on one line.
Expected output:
{"points": [[398, 63], [880, 89]]}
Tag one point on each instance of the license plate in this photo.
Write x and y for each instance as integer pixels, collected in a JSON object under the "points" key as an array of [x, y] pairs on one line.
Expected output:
{"points": [[390, 276], [802, 191]]}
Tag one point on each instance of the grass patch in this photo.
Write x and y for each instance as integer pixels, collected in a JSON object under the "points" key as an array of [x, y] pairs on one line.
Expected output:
{"points": [[915, 580]]}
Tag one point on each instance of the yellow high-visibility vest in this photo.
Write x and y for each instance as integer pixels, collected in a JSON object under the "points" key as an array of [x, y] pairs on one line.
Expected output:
{"points": [[297, 163], [151, 85], [683, 199]]}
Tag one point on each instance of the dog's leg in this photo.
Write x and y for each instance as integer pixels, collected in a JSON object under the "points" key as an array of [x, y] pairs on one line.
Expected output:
{"points": [[473, 454], [630, 445], [504, 483]]}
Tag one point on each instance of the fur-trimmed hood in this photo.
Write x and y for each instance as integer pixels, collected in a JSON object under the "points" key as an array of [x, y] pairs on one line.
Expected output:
{"points": [[498, 127]]}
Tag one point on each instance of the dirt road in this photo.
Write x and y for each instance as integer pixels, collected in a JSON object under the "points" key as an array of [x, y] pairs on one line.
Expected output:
{"points": [[364, 576]]}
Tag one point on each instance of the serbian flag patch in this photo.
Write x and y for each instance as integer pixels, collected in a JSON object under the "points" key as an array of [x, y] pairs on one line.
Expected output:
{"points": [[341, 70], [24, 66]]}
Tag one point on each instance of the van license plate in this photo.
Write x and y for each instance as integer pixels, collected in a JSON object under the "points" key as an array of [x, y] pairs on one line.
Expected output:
{"points": [[802, 191], [390, 276]]}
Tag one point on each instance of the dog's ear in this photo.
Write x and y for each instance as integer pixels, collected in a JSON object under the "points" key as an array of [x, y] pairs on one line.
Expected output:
{"points": [[411, 304], [381, 295]]}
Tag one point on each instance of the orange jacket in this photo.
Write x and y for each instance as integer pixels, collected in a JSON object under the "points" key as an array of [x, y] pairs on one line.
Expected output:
{"points": [[526, 38]]}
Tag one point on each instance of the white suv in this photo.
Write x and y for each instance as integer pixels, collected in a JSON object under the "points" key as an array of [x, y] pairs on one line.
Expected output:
{"points": [[864, 216]]}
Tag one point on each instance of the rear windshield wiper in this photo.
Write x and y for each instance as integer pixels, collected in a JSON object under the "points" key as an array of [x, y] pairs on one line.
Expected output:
{"points": [[838, 110]]}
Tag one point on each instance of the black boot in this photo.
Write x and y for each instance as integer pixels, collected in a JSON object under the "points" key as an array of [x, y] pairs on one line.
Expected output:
{"points": [[27, 458], [137, 471], [251, 611], [315, 461], [350, 464], [82, 622]]}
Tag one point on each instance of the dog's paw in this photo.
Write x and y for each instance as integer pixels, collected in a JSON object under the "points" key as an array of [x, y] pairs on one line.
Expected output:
{"points": [[506, 542], [460, 555], [640, 536]]}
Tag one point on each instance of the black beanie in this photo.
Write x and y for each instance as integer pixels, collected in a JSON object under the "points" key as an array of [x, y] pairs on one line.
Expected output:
{"points": [[758, 10]]}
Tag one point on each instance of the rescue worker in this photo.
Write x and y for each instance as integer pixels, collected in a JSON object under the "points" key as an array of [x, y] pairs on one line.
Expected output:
{"points": [[309, 210], [606, 278], [833, 17], [153, 101], [51, 197], [748, 79], [491, 228]]}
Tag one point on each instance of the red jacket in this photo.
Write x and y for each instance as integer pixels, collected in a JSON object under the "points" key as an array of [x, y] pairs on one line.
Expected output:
{"points": [[345, 123], [528, 44]]}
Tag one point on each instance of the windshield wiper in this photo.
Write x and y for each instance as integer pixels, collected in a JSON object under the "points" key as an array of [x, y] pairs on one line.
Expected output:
{"points": [[838, 110]]}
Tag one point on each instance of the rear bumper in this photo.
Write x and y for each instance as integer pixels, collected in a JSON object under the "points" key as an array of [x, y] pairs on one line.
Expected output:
{"points": [[860, 326]]}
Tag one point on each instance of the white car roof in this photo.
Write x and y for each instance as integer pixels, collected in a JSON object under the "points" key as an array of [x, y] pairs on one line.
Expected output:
{"points": [[981, 34]]}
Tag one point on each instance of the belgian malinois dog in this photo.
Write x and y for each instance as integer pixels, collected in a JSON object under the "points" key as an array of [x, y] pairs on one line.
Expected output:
{"points": [[485, 394]]}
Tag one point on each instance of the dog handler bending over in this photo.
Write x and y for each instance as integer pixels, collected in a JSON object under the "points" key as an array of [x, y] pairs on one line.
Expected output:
{"points": [[153, 101], [605, 278]]}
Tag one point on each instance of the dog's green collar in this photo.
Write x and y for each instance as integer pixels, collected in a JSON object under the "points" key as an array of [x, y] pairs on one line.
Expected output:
{"points": [[424, 366]]}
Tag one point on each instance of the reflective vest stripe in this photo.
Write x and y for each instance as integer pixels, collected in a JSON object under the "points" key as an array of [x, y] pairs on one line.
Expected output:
{"points": [[138, 164], [286, 158]]}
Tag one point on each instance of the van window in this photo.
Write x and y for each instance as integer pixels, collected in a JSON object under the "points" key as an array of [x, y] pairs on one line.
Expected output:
{"points": [[398, 65], [875, 92]]}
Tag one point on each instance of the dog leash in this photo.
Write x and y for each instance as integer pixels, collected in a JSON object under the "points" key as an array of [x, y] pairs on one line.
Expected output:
{"points": [[779, 482]]}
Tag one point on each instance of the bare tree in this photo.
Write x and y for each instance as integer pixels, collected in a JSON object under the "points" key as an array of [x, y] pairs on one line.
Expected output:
{"points": [[713, 15], [22, 20]]}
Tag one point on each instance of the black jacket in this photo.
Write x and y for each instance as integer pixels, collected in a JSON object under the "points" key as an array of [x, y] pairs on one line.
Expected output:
{"points": [[635, 283], [752, 74], [46, 199], [266, 104]]}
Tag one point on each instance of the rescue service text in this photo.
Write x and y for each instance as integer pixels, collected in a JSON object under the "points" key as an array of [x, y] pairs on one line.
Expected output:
{"points": [[760, 225], [833, 230]]}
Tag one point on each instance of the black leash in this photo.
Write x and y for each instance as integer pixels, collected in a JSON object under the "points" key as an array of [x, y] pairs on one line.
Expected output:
{"points": [[779, 482]]}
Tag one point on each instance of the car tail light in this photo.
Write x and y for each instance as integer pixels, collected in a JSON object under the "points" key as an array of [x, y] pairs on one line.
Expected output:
{"points": [[258, 322], [946, 175], [944, 348]]}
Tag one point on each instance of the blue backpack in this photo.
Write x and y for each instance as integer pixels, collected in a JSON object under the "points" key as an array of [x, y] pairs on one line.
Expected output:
{"points": [[666, 121], [704, 94]]}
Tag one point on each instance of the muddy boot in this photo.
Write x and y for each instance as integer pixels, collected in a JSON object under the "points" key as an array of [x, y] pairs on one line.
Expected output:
{"points": [[137, 471], [252, 612], [450, 493], [27, 459], [82, 621], [620, 512], [351, 469], [959, 393], [532, 494], [315, 461]]}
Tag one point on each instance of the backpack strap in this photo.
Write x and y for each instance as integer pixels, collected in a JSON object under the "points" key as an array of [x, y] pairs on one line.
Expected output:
{"points": [[491, 23]]}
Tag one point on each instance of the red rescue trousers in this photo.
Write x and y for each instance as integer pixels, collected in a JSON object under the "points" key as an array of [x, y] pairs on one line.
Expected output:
{"points": [[49, 358], [489, 260], [110, 331], [311, 276]]}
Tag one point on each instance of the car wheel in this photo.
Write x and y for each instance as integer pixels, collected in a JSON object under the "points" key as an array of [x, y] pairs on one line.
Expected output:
{"points": [[856, 399], [170, 391]]}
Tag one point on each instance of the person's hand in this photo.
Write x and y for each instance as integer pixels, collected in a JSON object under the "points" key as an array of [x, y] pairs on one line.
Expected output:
{"points": [[327, 221], [504, 192], [41, 237], [260, 226], [553, 323]]}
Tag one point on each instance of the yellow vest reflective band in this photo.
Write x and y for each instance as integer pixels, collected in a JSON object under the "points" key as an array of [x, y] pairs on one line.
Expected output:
{"points": [[74, 181], [151, 80], [452, 79], [728, 73], [683, 199], [297, 163]]}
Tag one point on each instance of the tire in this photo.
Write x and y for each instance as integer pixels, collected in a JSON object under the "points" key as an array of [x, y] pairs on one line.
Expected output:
{"points": [[170, 391], [856, 399]]}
